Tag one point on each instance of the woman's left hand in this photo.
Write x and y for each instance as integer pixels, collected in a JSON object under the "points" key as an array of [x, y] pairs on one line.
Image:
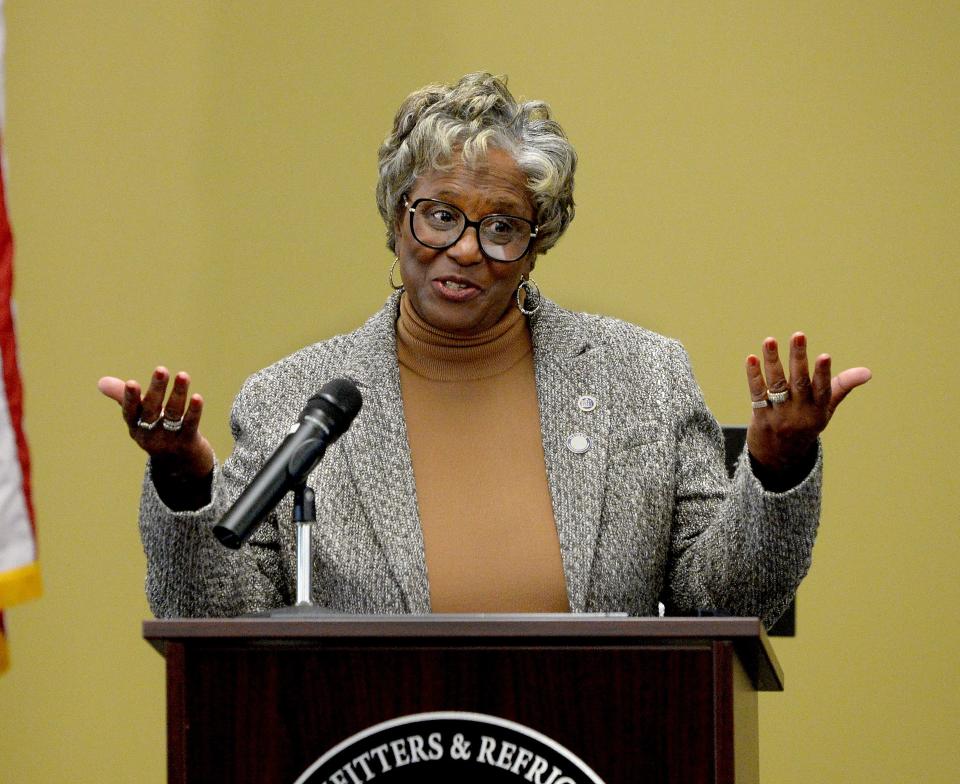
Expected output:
{"points": [[782, 434]]}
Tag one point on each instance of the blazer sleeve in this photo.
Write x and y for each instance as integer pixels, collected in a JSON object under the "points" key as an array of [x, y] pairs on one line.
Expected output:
{"points": [[734, 546], [189, 573]]}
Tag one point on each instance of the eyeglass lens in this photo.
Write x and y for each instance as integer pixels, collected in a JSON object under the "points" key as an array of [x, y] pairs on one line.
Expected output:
{"points": [[440, 225]]}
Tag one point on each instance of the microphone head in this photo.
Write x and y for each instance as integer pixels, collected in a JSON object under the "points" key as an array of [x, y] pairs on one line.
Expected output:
{"points": [[340, 400]]}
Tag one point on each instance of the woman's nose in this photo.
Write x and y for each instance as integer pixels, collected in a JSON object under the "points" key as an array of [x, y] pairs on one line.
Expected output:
{"points": [[466, 250]]}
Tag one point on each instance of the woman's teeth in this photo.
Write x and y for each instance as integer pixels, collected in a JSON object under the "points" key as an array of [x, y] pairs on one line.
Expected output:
{"points": [[449, 284]]}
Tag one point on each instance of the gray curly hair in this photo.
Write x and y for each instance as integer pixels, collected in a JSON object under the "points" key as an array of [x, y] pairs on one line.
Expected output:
{"points": [[438, 121]]}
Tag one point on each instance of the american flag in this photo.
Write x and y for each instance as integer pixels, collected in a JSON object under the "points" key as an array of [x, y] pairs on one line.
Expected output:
{"points": [[19, 570]]}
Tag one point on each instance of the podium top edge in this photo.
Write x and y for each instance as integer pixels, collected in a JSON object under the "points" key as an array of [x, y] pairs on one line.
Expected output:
{"points": [[747, 634], [471, 625]]}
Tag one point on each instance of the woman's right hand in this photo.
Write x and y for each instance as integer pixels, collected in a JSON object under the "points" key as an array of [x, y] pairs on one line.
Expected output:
{"points": [[181, 458]]}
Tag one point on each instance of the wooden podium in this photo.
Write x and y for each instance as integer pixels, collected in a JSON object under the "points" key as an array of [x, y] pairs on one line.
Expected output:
{"points": [[636, 699]]}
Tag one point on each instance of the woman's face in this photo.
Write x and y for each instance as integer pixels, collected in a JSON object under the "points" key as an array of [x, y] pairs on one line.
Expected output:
{"points": [[458, 289]]}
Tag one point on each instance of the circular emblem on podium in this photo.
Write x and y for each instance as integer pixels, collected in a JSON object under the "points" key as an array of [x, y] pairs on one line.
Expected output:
{"points": [[448, 746]]}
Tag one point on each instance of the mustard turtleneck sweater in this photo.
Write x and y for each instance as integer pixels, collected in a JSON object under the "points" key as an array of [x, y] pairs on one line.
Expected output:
{"points": [[473, 424]]}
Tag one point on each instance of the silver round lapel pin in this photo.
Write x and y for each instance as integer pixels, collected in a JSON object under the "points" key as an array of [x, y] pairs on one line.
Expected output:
{"points": [[578, 443], [586, 402]]}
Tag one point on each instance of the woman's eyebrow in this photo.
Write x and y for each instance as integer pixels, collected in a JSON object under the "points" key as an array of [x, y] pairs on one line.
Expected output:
{"points": [[450, 196], [499, 205]]}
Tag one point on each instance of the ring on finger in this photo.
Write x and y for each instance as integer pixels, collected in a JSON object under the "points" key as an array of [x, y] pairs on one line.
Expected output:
{"points": [[172, 425], [148, 425], [759, 403], [776, 398]]}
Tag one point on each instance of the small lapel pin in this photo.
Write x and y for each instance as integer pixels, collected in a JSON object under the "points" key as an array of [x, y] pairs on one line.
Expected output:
{"points": [[586, 402], [578, 443]]}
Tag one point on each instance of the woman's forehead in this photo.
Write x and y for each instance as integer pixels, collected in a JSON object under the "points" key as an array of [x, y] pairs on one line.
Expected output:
{"points": [[493, 183]]}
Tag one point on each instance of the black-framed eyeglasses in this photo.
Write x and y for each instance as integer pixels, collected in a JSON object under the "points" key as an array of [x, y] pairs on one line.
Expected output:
{"points": [[439, 225]]}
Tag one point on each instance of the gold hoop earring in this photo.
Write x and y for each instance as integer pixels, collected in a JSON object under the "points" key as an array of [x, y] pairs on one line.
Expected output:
{"points": [[393, 266]]}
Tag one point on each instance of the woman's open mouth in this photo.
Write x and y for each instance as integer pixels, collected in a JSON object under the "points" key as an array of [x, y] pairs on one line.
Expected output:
{"points": [[456, 289]]}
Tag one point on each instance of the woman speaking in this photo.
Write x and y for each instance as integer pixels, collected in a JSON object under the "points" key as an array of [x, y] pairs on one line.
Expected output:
{"points": [[510, 455]]}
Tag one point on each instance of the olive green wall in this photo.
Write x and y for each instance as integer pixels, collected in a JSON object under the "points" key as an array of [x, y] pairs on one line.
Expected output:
{"points": [[192, 183]]}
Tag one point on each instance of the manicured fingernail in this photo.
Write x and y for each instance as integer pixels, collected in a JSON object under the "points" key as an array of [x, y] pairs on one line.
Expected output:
{"points": [[752, 361], [801, 341]]}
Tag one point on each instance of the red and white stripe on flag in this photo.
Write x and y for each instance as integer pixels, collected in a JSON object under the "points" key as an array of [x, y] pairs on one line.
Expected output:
{"points": [[19, 571]]}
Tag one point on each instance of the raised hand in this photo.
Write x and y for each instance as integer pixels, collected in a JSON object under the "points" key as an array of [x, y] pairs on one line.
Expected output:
{"points": [[789, 414], [181, 458]]}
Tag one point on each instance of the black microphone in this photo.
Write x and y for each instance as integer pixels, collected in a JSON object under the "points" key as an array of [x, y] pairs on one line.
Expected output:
{"points": [[327, 416]]}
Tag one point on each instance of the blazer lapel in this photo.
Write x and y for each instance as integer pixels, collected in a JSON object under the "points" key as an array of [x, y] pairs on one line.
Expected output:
{"points": [[568, 367], [379, 459]]}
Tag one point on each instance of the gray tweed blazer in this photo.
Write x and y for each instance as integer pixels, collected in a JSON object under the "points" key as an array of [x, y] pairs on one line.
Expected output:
{"points": [[646, 514]]}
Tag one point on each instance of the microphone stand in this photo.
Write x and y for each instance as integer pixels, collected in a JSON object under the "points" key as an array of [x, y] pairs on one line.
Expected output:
{"points": [[304, 516]]}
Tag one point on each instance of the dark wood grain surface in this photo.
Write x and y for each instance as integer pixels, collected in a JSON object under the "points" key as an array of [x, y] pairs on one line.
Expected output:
{"points": [[639, 700]]}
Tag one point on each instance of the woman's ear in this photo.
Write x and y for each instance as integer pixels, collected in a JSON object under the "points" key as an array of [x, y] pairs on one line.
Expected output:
{"points": [[398, 220]]}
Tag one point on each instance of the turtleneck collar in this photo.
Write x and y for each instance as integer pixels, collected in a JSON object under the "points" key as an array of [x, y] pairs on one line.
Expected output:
{"points": [[443, 356]]}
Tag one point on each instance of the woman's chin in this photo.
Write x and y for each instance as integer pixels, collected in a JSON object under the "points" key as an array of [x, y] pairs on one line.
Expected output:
{"points": [[455, 318]]}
